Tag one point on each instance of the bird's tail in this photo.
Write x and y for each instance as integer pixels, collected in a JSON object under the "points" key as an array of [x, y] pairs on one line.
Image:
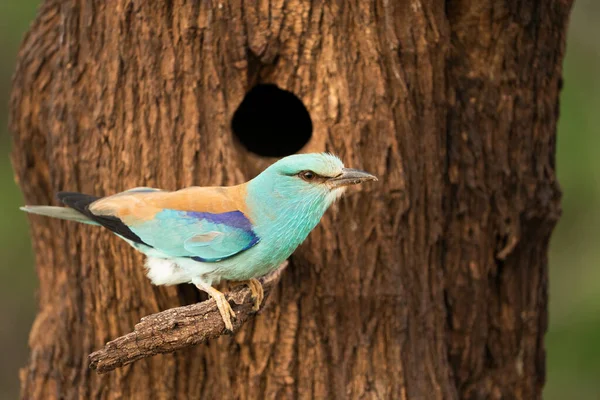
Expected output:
{"points": [[59, 212]]}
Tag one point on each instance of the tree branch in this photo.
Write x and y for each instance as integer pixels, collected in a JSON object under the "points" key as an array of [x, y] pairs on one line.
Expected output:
{"points": [[178, 328]]}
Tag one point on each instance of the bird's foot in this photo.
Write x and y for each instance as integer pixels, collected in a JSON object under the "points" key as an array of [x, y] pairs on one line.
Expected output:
{"points": [[256, 288], [226, 311], [222, 304]]}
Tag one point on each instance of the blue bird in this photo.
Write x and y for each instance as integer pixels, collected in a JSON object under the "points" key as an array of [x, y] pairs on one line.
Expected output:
{"points": [[203, 235]]}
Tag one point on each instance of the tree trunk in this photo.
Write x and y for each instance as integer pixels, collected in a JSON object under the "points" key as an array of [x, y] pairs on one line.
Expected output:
{"points": [[430, 284]]}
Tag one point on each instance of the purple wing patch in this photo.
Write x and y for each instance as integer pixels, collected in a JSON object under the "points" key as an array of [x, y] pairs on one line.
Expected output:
{"points": [[231, 219], [234, 219]]}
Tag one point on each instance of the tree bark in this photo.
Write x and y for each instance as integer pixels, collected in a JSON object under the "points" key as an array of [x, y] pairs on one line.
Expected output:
{"points": [[431, 284]]}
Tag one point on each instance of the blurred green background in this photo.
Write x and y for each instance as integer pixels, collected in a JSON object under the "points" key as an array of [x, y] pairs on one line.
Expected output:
{"points": [[573, 340]]}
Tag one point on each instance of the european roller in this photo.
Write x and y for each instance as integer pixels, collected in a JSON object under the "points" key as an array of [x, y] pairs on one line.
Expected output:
{"points": [[202, 235]]}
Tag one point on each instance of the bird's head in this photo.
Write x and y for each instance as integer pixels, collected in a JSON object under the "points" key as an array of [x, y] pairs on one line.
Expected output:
{"points": [[315, 178]]}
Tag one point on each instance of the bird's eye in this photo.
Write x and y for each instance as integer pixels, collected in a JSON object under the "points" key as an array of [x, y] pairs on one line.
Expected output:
{"points": [[307, 175]]}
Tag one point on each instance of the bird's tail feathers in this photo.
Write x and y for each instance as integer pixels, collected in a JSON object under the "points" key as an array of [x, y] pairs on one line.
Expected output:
{"points": [[59, 212]]}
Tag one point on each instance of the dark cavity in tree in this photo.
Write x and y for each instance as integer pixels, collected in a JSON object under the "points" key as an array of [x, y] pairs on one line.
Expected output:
{"points": [[272, 122]]}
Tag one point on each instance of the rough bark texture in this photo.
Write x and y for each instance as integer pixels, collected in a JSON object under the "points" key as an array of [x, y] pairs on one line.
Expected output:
{"points": [[179, 328], [431, 284]]}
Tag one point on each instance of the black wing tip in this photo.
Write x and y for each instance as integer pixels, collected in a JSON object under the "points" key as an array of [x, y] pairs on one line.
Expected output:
{"points": [[62, 195], [81, 202], [76, 200]]}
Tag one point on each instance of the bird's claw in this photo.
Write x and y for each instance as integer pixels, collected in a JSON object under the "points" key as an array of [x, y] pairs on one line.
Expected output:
{"points": [[226, 311], [223, 305], [258, 294]]}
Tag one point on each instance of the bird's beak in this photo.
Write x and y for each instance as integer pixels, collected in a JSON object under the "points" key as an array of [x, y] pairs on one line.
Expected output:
{"points": [[350, 176]]}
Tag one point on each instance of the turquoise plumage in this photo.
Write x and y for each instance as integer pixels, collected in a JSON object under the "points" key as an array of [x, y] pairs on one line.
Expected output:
{"points": [[206, 237], [203, 235]]}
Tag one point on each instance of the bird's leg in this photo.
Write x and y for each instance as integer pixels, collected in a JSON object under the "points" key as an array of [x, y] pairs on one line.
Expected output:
{"points": [[222, 304], [257, 291]]}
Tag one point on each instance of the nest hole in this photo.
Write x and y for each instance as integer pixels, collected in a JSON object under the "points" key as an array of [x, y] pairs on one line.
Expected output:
{"points": [[272, 122]]}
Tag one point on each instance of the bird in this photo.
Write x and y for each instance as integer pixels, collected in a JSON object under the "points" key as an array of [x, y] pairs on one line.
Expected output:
{"points": [[203, 235]]}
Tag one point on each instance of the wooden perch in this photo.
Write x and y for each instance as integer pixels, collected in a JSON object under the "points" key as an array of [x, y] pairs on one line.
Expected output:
{"points": [[178, 328]]}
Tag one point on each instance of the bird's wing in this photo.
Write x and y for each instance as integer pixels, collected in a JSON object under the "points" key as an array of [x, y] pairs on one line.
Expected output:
{"points": [[204, 236], [209, 224]]}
